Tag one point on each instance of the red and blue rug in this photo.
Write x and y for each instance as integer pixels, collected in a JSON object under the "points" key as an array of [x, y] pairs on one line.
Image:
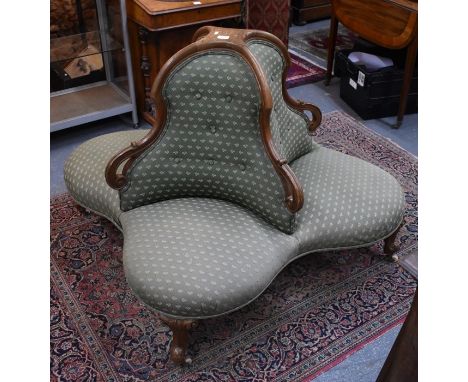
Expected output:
{"points": [[308, 51], [303, 72], [317, 312], [313, 45]]}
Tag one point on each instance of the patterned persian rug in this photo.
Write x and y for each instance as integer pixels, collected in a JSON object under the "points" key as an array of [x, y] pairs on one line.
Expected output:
{"points": [[303, 72], [313, 45], [317, 312]]}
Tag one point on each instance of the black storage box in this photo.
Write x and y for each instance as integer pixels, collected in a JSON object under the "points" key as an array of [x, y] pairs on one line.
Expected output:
{"points": [[373, 94]]}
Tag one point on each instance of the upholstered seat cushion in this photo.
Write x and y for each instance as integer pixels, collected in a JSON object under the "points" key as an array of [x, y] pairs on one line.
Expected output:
{"points": [[348, 202], [84, 172], [199, 257]]}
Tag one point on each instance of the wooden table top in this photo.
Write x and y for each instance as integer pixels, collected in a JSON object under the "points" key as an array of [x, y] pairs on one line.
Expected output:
{"points": [[161, 6], [389, 23]]}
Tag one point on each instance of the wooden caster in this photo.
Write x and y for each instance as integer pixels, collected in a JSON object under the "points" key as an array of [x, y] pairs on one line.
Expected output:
{"points": [[390, 248], [393, 258], [180, 338]]}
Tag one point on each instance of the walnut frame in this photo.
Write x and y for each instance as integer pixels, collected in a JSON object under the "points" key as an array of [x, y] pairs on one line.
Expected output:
{"points": [[206, 38]]}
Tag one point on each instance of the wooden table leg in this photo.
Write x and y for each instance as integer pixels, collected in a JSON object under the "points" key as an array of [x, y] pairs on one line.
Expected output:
{"points": [[411, 54], [331, 47]]}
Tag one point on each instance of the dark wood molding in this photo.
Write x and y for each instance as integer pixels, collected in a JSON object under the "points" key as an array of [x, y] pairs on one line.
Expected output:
{"points": [[180, 339], [206, 38], [145, 66]]}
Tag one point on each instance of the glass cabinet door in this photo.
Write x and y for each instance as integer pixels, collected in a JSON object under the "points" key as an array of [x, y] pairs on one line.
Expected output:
{"points": [[90, 73]]}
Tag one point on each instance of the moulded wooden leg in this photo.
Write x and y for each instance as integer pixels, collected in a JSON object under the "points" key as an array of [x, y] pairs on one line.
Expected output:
{"points": [[180, 339], [411, 54], [331, 47], [390, 248]]}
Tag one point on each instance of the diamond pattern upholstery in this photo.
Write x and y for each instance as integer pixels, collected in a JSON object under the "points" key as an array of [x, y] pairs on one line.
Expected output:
{"points": [[348, 202], [205, 230], [211, 144], [199, 257], [84, 172], [289, 127]]}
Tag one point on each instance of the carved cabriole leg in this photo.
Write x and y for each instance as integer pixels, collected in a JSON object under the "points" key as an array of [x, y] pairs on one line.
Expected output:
{"points": [[180, 339], [389, 244]]}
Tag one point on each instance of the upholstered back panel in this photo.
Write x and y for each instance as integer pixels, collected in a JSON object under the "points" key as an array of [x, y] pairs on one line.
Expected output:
{"points": [[210, 145], [289, 126]]}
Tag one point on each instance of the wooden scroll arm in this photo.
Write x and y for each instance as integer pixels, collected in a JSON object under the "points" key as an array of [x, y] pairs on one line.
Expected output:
{"points": [[316, 114], [127, 155]]}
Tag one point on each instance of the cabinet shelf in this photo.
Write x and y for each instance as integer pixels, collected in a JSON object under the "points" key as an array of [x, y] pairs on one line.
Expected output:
{"points": [[90, 73], [87, 104]]}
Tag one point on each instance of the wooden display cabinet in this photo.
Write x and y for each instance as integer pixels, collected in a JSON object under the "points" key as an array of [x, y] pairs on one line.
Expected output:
{"points": [[159, 29], [90, 74]]}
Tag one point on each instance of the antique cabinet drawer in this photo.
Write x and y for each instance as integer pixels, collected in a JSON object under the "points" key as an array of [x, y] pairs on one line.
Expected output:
{"points": [[308, 10], [309, 3], [158, 29]]}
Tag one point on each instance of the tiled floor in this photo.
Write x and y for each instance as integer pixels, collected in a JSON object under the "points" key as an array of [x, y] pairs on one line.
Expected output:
{"points": [[365, 364]]}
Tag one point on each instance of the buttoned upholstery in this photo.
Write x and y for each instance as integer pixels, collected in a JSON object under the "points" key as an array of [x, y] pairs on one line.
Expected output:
{"points": [[211, 144], [203, 217], [289, 127]]}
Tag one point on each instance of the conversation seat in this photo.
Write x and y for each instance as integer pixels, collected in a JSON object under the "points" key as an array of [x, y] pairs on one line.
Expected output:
{"points": [[228, 186]]}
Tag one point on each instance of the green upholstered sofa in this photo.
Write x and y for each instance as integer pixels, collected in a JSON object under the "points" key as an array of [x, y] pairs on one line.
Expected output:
{"points": [[228, 186]]}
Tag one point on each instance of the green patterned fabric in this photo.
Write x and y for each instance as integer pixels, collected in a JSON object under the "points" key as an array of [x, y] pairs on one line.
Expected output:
{"points": [[84, 172], [203, 215], [347, 201], [289, 126], [199, 257], [211, 144]]}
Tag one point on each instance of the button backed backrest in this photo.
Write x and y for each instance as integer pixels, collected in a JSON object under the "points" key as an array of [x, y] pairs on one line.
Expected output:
{"points": [[289, 126], [211, 144], [218, 131]]}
